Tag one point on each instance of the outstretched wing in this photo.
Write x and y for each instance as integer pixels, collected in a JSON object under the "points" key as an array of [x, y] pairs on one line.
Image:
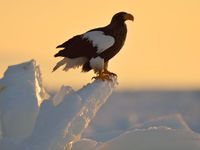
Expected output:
{"points": [[87, 45]]}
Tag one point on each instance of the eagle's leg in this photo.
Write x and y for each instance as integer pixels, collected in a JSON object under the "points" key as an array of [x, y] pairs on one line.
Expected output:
{"points": [[109, 73], [102, 76]]}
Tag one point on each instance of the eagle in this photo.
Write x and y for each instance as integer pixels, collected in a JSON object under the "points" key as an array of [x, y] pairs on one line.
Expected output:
{"points": [[93, 49]]}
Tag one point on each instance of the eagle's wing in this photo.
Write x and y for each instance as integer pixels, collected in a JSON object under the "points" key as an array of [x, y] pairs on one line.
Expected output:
{"points": [[99, 40], [87, 45], [75, 47]]}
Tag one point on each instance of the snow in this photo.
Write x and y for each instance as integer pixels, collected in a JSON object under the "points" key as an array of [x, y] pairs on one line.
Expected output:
{"points": [[59, 96], [172, 121], [63, 124], [125, 110], [153, 139], [20, 98], [164, 133], [31, 120], [56, 123], [85, 144]]}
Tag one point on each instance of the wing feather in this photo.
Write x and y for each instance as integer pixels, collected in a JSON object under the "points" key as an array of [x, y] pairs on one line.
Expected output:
{"points": [[76, 47], [88, 45], [99, 40]]}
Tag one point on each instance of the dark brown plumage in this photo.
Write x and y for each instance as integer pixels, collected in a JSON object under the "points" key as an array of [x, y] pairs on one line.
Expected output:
{"points": [[93, 49]]}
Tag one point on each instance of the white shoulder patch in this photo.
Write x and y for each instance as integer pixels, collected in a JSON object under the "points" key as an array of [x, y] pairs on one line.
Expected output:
{"points": [[99, 40]]}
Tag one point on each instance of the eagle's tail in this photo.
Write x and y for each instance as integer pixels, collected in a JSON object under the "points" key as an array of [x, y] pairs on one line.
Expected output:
{"points": [[61, 53], [60, 63], [71, 63]]}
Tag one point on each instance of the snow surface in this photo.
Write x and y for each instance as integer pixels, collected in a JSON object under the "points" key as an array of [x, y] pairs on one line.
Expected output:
{"points": [[167, 132], [85, 144], [61, 119], [30, 121], [20, 98], [154, 138], [125, 110]]}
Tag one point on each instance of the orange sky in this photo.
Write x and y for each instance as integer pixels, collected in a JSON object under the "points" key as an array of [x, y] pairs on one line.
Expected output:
{"points": [[162, 49]]}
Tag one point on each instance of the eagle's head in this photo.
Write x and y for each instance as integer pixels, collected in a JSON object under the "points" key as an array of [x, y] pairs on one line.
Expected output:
{"points": [[121, 17]]}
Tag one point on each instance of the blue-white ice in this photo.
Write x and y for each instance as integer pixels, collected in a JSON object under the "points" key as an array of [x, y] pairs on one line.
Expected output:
{"points": [[20, 98], [30, 120], [56, 123]]}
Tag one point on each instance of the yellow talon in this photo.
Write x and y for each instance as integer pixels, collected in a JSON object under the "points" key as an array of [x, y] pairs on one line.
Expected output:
{"points": [[102, 77], [109, 73]]}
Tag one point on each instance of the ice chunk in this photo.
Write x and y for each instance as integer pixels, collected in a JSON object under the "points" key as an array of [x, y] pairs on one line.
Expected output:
{"points": [[62, 120], [85, 144], [154, 138], [169, 132], [64, 90], [21, 94], [174, 121]]}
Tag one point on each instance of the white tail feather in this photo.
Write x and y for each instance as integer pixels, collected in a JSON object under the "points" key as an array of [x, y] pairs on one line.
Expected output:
{"points": [[60, 63], [75, 63], [70, 63]]}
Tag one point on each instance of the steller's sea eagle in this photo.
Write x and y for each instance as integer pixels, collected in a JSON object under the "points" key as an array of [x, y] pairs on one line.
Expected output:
{"points": [[93, 49]]}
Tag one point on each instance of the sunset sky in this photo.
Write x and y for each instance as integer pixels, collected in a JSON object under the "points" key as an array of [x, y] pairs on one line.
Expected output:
{"points": [[162, 49]]}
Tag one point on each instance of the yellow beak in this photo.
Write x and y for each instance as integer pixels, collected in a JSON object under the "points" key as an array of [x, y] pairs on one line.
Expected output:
{"points": [[128, 17]]}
